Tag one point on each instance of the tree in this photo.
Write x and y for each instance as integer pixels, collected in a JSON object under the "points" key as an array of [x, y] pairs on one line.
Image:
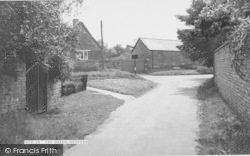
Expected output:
{"points": [[210, 22], [119, 49], [35, 31]]}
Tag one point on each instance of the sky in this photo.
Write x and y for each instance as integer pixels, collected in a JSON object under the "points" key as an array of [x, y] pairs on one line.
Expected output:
{"points": [[124, 21]]}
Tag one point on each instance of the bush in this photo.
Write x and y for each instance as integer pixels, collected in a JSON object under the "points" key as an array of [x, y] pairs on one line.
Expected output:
{"points": [[187, 66], [86, 66], [205, 70], [60, 68]]}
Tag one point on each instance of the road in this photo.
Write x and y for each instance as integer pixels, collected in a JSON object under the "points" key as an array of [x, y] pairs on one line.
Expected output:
{"points": [[161, 122]]}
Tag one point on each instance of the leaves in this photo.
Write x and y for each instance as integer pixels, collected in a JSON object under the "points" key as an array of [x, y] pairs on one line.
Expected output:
{"points": [[213, 23], [36, 30]]}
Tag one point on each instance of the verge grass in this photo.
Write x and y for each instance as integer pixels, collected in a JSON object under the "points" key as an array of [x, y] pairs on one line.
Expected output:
{"points": [[72, 117], [221, 131], [135, 87]]}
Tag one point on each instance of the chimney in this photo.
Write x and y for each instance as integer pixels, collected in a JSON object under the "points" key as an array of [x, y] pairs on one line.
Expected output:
{"points": [[75, 21]]}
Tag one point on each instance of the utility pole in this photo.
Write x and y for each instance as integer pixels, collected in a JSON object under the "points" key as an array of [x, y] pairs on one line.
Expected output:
{"points": [[102, 46]]}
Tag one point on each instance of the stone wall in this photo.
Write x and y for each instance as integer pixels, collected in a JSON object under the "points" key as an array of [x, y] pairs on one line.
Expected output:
{"points": [[13, 88], [234, 90], [54, 92]]}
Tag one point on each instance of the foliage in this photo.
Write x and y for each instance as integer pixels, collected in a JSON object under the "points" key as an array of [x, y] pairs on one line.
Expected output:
{"points": [[239, 47], [208, 30], [233, 134], [35, 31], [212, 23], [60, 68]]}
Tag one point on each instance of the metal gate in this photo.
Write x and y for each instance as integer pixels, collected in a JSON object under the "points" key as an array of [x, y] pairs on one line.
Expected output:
{"points": [[36, 88]]}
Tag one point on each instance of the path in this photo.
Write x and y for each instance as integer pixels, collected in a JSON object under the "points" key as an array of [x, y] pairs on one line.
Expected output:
{"points": [[162, 122]]}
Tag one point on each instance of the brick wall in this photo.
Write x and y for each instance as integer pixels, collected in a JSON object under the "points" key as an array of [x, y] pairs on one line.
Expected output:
{"points": [[169, 59], [233, 89], [13, 88], [159, 59], [143, 52]]}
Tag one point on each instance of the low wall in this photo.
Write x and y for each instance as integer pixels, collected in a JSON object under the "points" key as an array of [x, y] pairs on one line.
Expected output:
{"points": [[234, 90], [54, 92]]}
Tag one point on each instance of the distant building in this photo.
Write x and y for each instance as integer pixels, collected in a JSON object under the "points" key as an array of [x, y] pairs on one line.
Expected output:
{"points": [[88, 52], [161, 53]]}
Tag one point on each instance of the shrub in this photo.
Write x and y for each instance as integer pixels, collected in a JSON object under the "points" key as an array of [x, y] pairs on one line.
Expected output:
{"points": [[86, 66], [187, 66], [205, 70], [60, 68]]}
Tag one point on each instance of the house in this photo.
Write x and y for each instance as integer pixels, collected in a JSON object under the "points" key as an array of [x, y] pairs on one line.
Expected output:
{"points": [[160, 53], [88, 52]]}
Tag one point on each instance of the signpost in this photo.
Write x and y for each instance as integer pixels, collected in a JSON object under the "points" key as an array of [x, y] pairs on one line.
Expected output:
{"points": [[135, 57]]}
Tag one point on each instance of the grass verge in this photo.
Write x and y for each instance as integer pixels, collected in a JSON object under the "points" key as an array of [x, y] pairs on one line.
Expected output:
{"points": [[135, 87], [221, 132], [107, 74], [72, 117]]}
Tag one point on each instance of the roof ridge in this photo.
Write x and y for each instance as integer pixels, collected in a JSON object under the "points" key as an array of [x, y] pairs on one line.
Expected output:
{"points": [[158, 39]]}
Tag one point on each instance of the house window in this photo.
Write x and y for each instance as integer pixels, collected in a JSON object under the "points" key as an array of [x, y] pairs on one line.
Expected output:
{"points": [[83, 54]]}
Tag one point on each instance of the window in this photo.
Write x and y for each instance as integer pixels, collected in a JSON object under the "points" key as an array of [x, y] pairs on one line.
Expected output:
{"points": [[82, 54]]}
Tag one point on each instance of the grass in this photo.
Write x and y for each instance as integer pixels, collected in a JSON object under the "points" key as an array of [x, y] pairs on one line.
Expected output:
{"points": [[174, 72], [135, 87], [72, 117], [107, 74], [221, 131], [117, 81], [185, 70]]}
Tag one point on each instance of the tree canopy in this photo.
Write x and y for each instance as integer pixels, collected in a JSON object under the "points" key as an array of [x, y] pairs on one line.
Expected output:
{"points": [[213, 22], [35, 31]]}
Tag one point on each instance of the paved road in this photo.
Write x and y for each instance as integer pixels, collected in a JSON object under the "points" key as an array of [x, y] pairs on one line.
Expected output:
{"points": [[162, 122]]}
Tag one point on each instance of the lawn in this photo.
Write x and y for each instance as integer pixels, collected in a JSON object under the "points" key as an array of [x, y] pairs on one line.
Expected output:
{"points": [[174, 72], [118, 81], [72, 117], [135, 87], [192, 70], [107, 74]]}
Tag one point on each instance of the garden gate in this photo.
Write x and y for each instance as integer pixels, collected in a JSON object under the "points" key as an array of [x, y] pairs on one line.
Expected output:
{"points": [[36, 88]]}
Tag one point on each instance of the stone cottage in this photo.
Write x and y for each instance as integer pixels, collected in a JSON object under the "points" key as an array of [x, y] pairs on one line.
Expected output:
{"points": [[161, 53], [88, 54]]}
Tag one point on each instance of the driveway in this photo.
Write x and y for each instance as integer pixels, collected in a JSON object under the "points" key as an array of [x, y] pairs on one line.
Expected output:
{"points": [[161, 122]]}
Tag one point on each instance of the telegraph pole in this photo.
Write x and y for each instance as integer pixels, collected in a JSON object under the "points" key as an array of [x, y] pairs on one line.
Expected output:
{"points": [[102, 46]]}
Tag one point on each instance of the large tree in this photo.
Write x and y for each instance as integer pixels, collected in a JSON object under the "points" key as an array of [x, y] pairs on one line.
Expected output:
{"points": [[35, 30], [213, 22], [209, 26]]}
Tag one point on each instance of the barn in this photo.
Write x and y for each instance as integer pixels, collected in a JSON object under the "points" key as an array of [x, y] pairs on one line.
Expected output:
{"points": [[160, 53]]}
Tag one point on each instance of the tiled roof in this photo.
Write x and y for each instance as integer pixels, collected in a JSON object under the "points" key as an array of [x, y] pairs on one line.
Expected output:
{"points": [[161, 44]]}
